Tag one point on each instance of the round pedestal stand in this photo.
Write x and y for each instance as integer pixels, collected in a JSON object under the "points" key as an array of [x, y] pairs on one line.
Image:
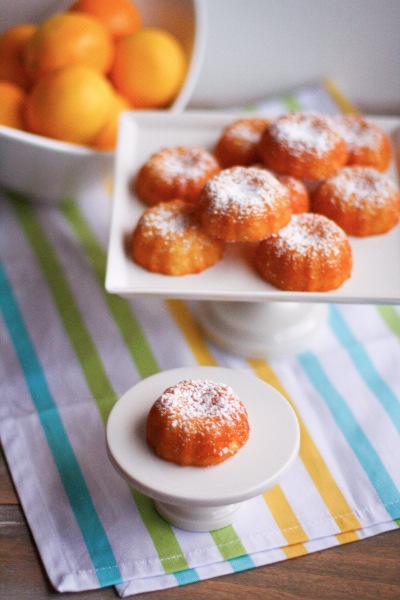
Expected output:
{"points": [[204, 498], [261, 329]]}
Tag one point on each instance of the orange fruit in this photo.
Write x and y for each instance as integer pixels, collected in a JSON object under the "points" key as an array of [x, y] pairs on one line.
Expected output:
{"points": [[12, 98], [107, 138], [149, 68], [12, 42], [119, 16], [68, 39], [71, 104]]}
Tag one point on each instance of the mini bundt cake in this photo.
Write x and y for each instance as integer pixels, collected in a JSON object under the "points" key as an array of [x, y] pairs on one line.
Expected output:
{"points": [[175, 172], [198, 423], [169, 240], [303, 144], [238, 142], [310, 254], [243, 204], [367, 143], [362, 200]]}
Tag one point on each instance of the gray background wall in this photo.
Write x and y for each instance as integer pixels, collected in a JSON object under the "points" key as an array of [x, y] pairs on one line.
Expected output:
{"points": [[258, 47]]}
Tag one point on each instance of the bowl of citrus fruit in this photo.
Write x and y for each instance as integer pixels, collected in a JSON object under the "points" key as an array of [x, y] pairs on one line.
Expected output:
{"points": [[67, 72]]}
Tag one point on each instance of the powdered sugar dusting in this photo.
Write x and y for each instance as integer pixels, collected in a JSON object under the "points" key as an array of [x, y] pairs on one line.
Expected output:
{"points": [[244, 130], [310, 233], [205, 400], [165, 221], [362, 186], [358, 132], [246, 190], [306, 132], [183, 162]]}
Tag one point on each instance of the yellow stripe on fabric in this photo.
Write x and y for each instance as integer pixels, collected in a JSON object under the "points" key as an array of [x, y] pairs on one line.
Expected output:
{"points": [[226, 539], [342, 102], [295, 550], [347, 536], [312, 460], [191, 332], [285, 518]]}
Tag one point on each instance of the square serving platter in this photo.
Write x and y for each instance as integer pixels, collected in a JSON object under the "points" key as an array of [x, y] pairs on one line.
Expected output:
{"points": [[376, 272]]}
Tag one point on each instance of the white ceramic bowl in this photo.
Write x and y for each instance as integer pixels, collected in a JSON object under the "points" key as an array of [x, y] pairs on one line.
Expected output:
{"points": [[48, 170]]}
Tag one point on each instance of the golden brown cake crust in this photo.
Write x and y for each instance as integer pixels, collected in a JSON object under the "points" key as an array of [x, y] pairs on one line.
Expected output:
{"points": [[362, 200], [169, 240], [367, 143], [303, 144], [243, 204], [197, 422], [175, 172], [298, 193], [311, 254], [238, 142]]}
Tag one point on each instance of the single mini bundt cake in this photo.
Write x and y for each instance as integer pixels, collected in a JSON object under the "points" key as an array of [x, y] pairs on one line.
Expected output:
{"points": [[198, 423], [311, 254], [303, 144], [367, 143], [169, 240], [362, 200], [175, 172], [243, 204]]}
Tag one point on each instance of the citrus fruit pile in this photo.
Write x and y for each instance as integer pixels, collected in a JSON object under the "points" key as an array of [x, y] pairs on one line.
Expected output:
{"points": [[70, 76]]}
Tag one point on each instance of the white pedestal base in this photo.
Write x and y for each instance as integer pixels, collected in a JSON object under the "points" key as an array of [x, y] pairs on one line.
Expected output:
{"points": [[261, 329], [198, 518]]}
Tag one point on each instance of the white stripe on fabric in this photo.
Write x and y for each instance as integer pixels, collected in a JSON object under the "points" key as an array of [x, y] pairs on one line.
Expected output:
{"points": [[367, 410], [156, 320], [322, 522], [118, 364], [337, 454]]}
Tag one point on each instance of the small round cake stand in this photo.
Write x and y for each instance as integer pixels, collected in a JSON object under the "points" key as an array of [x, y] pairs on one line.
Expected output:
{"points": [[204, 498], [261, 329]]}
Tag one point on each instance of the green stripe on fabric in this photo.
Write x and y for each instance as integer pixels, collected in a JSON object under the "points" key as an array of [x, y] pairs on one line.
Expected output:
{"points": [[86, 352], [161, 533], [164, 540], [195, 340], [290, 102], [391, 318], [76, 490], [68, 310], [230, 545], [128, 326]]}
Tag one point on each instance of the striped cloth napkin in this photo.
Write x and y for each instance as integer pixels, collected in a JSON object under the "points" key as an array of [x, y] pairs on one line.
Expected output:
{"points": [[69, 351]]}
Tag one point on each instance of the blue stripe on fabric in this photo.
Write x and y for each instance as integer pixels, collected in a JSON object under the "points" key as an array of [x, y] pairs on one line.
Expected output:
{"points": [[75, 487], [187, 576], [365, 367], [356, 438], [242, 563]]}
